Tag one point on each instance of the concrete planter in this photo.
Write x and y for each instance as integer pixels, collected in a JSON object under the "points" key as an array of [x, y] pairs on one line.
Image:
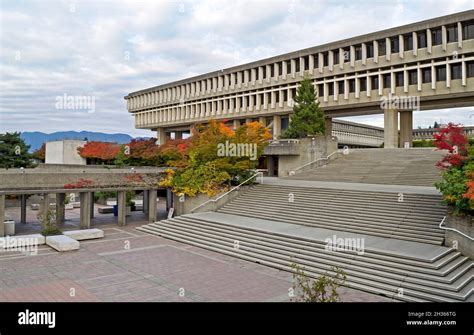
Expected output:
{"points": [[9, 228], [453, 239]]}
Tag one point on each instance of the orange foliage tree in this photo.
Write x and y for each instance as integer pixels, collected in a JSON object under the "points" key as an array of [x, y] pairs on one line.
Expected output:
{"points": [[104, 152]]}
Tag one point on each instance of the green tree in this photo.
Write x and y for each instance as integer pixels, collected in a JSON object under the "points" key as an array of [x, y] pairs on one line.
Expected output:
{"points": [[14, 151], [308, 118]]}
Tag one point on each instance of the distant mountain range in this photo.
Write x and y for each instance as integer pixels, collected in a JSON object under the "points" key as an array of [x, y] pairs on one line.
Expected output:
{"points": [[35, 139]]}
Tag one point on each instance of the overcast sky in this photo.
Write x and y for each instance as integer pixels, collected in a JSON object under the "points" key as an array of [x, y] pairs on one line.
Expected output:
{"points": [[108, 48]]}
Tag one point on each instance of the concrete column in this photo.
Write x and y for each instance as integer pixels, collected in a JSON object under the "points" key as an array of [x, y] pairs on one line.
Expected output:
{"points": [[23, 205], [145, 201], [262, 120], [152, 206], [276, 126], [390, 128], [2, 215], [121, 199], [60, 210], [406, 128], [270, 166], [328, 124], [44, 206], [85, 213], [160, 136], [235, 124]]}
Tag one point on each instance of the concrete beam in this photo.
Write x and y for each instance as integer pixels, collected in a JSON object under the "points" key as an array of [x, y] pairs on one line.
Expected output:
{"points": [[390, 128], [121, 210], [406, 129], [85, 212], [152, 195]]}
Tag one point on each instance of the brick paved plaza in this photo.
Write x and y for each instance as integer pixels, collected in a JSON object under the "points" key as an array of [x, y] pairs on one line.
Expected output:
{"points": [[128, 265]]}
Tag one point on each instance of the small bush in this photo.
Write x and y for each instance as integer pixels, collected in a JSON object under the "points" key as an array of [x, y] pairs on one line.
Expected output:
{"points": [[48, 222]]}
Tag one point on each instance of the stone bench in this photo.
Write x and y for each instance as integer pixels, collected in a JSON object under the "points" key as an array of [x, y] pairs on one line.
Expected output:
{"points": [[22, 240], [106, 210], [62, 243], [84, 234]]}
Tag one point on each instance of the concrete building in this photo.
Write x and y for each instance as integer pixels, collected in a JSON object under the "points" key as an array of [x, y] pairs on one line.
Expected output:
{"points": [[419, 66], [427, 133], [64, 152]]}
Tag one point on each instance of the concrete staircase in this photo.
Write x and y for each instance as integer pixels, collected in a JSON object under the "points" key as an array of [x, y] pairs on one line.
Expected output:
{"points": [[442, 275], [362, 212], [380, 166]]}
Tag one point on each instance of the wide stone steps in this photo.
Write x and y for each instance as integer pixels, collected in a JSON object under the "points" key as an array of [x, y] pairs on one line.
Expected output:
{"points": [[445, 278], [381, 214]]}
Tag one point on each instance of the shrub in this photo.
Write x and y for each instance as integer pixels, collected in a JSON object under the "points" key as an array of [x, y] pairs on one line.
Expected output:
{"points": [[323, 289], [48, 221]]}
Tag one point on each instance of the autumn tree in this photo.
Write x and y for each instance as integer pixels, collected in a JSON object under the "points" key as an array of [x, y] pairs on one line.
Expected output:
{"points": [[104, 152]]}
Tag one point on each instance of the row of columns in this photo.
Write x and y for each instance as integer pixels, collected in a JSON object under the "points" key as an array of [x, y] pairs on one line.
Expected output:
{"points": [[391, 139], [86, 210]]}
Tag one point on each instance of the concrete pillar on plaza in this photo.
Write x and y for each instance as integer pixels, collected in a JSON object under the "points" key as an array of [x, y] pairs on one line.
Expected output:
{"points": [[276, 126], [406, 129], [160, 136], [169, 199], [121, 210], [85, 213], [145, 201], [178, 135], [2, 215], [270, 166], [44, 206], [92, 205], [23, 199], [152, 195], [328, 124], [390, 128], [60, 210]]}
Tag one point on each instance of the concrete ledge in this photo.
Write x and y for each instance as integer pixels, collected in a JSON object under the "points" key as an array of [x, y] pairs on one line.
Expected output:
{"points": [[62, 243], [23, 240], [105, 210], [84, 234]]}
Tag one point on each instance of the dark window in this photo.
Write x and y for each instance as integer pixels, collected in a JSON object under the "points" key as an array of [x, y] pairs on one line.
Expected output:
{"points": [[426, 75], [440, 73], [320, 90], [412, 77], [284, 123], [363, 84], [358, 52], [386, 80], [288, 66], [297, 61], [285, 95], [470, 69], [421, 35], [408, 42], [325, 59], [330, 89], [280, 69], [306, 62], [374, 82], [341, 86], [456, 71], [351, 85], [370, 50], [315, 61], [382, 47], [468, 30], [272, 71], [394, 45], [336, 56], [399, 79], [452, 33], [436, 38]]}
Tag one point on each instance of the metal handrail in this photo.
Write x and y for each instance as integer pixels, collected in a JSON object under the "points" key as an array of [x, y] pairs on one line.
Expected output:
{"points": [[317, 160], [453, 229], [226, 193]]}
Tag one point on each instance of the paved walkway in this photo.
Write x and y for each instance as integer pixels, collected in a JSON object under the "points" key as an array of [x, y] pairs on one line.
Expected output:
{"points": [[128, 265]]}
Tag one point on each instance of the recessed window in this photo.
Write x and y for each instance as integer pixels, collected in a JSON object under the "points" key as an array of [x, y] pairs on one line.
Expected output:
{"points": [[297, 63], [394, 45], [382, 47], [315, 61], [341, 86], [387, 80], [336, 56], [440, 73], [408, 42], [456, 71], [374, 82], [370, 50], [320, 90], [468, 30], [470, 69], [358, 52], [452, 33], [436, 36], [399, 79], [363, 84], [330, 89], [421, 35], [412, 77], [306, 62], [351, 85], [426, 75], [325, 59]]}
